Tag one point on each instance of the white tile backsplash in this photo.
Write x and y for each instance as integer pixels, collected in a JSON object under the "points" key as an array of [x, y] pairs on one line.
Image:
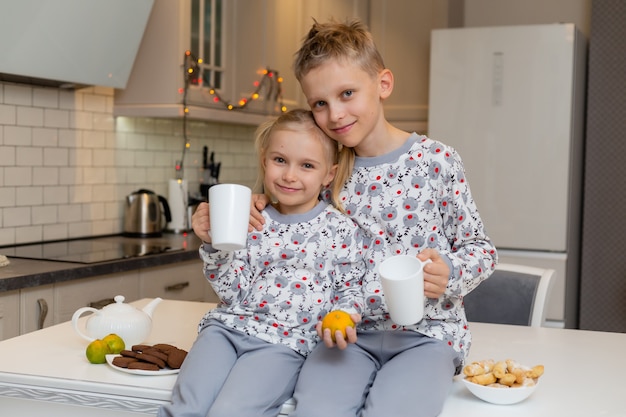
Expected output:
{"points": [[7, 198], [7, 114], [17, 135], [29, 156], [29, 116], [45, 137], [17, 94], [47, 98], [18, 176], [7, 155], [56, 118], [66, 164], [45, 176]]}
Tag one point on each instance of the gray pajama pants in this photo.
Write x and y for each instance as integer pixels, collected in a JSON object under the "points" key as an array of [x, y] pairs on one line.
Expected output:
{"points": [[395, 374], [228, 373]]}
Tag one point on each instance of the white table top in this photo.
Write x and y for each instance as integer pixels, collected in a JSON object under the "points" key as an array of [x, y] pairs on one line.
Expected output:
{"points": [[584, 371]]}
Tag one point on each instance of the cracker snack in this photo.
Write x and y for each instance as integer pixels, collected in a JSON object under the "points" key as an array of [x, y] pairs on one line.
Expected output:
{"points": [[502, 374]]}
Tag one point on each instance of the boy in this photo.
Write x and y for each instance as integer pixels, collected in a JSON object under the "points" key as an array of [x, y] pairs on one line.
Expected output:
{"points": [[410, 196]]}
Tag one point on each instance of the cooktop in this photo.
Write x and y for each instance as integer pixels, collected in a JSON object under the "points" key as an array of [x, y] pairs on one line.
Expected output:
{"points": [[86, 251]]}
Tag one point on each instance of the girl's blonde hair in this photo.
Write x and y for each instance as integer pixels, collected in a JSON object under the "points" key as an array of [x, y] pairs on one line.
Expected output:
{"points": [[302, 120], [346, 42]]}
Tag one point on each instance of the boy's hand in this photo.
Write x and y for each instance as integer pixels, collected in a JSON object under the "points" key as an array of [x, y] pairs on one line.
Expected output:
{"points": [[436, 273], [200, 222], [341, 343], [259, 201]]}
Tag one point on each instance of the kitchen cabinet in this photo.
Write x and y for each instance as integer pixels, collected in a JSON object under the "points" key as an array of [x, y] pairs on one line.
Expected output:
{"points": [[97, 291], [36, 308], [181, 281], [157, 81], [29, 309], [281, 25], [266, 34], [9, 314], [257, 35], [401, 30]]}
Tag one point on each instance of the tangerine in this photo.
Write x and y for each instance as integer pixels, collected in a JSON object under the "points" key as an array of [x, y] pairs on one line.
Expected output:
{"points": [[116, 343], [96, 351], [337, 320]]}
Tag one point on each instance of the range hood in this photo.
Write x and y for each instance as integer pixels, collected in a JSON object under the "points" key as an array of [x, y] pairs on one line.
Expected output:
{"points": [[71, 43]]}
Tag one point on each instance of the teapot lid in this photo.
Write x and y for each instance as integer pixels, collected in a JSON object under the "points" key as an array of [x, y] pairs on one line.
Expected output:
{"points": [[119, 305]]}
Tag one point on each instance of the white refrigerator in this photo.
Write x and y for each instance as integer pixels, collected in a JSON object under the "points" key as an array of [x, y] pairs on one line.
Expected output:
{"points": [[511, 101]]}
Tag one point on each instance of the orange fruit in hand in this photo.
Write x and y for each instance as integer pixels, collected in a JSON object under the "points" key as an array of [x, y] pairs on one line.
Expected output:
{"points": [[337, 320]]}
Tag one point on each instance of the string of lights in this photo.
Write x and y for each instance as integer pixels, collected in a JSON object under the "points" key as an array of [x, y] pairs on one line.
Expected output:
{"points": [[270, 82]]}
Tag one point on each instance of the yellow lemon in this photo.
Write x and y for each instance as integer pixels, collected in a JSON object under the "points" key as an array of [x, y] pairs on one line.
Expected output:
{"points": [[96, 351], [337, 320], [116, 343]]}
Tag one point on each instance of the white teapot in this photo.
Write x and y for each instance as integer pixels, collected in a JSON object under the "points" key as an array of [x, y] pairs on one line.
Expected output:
{"points": [[128, 322]]}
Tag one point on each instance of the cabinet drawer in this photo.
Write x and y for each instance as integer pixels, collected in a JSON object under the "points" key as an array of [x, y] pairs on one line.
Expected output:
{"points": [[179, 281], [72, 295], [9, 314], [36, 308]]}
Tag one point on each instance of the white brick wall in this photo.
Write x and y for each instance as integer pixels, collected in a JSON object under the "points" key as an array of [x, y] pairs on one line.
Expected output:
{"points": [[66, 164]]}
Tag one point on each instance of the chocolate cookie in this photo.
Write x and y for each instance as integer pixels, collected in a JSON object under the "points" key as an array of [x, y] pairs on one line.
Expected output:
{"points": [[175, 358], [164, 347], [123, 361], [140, 348], [155, 352], [152, 359], [129, 353], [144, 366]]}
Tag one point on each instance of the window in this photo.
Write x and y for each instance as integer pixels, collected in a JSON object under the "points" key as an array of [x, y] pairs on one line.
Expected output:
{"points": [[207, 17]]}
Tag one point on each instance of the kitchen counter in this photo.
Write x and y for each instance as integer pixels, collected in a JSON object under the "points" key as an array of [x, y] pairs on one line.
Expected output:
{"points": [[45, 373], [25, 273]]}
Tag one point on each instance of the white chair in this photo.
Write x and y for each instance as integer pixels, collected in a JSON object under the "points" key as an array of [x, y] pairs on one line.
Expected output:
{"points": [[513, 294]]}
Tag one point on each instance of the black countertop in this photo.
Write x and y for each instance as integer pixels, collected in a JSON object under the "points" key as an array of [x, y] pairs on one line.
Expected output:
{"points": [[25, 273]]}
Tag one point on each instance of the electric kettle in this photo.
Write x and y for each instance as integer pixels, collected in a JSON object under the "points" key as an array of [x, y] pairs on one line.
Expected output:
{"points": [[143, 214]]}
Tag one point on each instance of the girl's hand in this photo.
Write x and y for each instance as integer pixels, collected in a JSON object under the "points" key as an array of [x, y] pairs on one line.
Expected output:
{"points": [[340, 341], [436, 273], [259, 201], [200, 222]]}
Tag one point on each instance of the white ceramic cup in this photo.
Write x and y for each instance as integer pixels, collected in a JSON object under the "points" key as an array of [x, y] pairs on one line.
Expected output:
{"points": [[402, 277], [229, 210]]}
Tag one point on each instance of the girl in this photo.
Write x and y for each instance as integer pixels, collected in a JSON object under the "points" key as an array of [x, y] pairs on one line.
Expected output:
{"points": [[306, 262]]}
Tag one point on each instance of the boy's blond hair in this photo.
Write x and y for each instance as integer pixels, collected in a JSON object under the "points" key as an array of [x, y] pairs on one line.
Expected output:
{"points": [[348, 42], [300, 120]]}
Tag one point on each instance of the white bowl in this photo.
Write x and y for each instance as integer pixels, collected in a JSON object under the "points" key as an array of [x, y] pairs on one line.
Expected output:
{"points": [[497, 395]]}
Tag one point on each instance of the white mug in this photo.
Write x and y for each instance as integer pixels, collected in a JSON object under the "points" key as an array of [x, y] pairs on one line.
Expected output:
{"points": [[229, 209], [402, 278]]}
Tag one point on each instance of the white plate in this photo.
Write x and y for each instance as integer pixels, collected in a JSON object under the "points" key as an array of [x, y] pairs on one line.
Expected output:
{"points": [[165, 371]]}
